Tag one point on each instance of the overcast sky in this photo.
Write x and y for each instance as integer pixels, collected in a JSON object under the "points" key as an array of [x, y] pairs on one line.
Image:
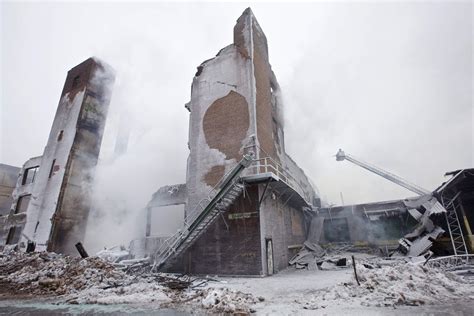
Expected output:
{"points": [[390, 83]]}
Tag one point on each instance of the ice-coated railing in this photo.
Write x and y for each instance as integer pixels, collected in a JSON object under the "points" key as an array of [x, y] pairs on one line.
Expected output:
{"points": [[450, 262], [270, 165]]}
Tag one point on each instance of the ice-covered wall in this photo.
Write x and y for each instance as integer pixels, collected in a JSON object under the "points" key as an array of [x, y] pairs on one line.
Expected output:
{"points": [[222, 120], [235, 109]]}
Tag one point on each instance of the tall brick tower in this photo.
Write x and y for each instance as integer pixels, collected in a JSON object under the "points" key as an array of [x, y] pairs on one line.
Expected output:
{"points": [[59, 208], [234, 109]]}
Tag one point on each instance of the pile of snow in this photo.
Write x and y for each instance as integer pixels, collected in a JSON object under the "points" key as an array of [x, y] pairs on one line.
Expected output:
{"points": [[402, 284]]}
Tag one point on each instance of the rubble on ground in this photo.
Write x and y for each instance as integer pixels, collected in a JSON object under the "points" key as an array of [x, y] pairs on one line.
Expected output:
{"points": [[114, 254], [308, 257], [313, 257], [427, 211], [44, 273], [220, 300], [94, 280], [400, 284]]}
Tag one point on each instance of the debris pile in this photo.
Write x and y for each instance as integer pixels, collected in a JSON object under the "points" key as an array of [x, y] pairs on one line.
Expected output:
{"points": [[309, 256], [312, 257], [427, 211], [401, 284], [44, 273], [95, 281]]}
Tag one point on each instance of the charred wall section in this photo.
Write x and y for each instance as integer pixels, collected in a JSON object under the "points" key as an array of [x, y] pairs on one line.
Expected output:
{"points": [[57, 218], [70, 218]]}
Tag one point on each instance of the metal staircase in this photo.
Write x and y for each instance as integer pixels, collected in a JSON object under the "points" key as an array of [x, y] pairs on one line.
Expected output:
{"points": [[221, 197], [454, 226]]}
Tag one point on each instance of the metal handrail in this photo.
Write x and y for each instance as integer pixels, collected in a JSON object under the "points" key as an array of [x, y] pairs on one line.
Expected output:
{"points": [[450, 262], [271, 165]]}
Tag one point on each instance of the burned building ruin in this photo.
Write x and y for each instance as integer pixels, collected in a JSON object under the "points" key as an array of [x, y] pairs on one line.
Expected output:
{"points": [[51, 198], [256, 224], [235, 110], [246, 208]]}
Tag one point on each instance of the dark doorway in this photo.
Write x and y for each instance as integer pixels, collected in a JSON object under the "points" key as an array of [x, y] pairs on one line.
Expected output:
{"points": [[269, 247], [14, 235]]}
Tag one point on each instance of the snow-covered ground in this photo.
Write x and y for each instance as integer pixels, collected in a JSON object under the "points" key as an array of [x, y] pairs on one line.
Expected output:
{"points": [[398, 289]]}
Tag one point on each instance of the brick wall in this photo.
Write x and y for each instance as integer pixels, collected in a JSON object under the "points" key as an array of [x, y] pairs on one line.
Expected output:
{"points": [[232, 251]]}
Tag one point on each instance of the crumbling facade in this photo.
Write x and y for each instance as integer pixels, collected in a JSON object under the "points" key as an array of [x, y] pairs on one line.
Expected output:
{"points": [[235, 110], [51, 200]]}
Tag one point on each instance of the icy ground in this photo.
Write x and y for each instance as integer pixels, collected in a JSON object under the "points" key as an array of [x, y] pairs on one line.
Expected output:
{"points": [[399, 289]]}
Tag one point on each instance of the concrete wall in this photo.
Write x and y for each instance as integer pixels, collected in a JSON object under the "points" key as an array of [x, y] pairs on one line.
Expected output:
{"points": [[282, 222], [57, 219]]}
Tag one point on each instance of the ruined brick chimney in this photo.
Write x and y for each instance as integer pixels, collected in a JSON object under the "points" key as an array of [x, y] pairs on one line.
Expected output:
{"points": [[59, 208], [233, 109]]}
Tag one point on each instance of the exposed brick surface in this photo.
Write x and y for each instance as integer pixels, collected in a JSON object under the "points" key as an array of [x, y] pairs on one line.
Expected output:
{"points": [[263, 96], [226, 123], [214, 175], [233, 251]]}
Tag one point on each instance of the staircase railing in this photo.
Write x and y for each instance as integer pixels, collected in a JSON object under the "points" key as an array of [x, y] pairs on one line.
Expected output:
{"points": [[206, 205], [199, 213], [268, 164]]}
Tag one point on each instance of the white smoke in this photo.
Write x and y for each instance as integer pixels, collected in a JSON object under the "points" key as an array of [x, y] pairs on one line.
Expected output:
{"points": [[155, 155]]}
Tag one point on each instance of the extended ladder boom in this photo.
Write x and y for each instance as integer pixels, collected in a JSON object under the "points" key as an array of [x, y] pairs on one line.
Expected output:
{"points": [[340, 156]]}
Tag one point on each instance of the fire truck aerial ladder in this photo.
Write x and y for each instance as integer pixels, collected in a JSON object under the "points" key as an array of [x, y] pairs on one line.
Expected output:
{"points": [[341, 155], [452, 220]]}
